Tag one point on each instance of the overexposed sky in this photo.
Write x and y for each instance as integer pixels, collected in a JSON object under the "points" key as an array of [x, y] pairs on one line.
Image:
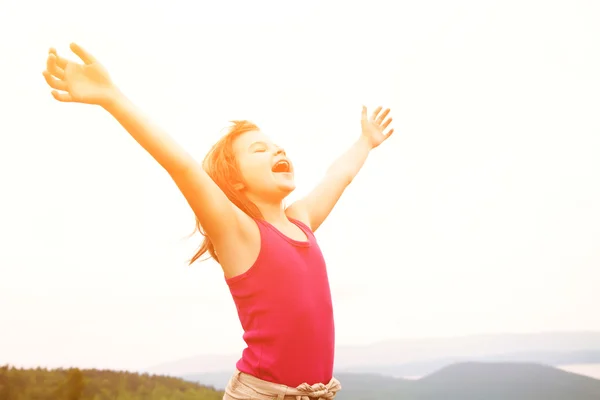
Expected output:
{"points": [[481, 215]]}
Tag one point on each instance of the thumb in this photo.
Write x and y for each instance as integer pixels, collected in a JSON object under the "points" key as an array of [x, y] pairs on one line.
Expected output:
{"points": [[364, 113], [81, 53]]}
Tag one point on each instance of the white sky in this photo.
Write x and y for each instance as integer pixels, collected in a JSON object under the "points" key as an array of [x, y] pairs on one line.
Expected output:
{"points": [[482, 214]]}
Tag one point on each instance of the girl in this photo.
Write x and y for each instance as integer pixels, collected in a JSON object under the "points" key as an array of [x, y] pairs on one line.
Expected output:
{"points": [[269, 255]]}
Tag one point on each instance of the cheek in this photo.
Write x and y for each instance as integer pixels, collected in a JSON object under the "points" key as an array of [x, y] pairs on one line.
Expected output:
{"points": [[255, 172]]}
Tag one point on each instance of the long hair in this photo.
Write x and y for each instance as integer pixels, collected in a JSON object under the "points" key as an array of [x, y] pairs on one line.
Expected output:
{"points": [[220, 164]]}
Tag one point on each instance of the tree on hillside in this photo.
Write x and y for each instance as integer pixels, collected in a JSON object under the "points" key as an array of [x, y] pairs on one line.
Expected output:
{"points": [[72, 387], [5, 387], [75, 385]]}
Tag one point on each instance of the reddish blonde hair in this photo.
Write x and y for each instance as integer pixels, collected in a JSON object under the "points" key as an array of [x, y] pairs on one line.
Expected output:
{"points": [[220, 164]]}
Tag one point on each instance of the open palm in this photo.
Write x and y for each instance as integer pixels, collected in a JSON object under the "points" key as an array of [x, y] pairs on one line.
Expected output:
{"points": [[75, 82], [373, 128]]}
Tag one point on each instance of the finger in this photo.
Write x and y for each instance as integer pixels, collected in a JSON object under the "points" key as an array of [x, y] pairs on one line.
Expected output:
{"points": [[60, 61], [53, 82], [387, 136], [50, 62], [81, 53], [364, 113], [382, 116], [64, 97], [53, 68], [374, 115], [385, 125]]}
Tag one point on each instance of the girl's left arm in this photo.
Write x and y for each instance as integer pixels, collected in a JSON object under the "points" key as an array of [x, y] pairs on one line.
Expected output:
{"points": [[317, 205]]}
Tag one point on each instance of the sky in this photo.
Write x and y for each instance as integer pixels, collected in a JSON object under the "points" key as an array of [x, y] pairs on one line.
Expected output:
{"points": [[480, 215]]}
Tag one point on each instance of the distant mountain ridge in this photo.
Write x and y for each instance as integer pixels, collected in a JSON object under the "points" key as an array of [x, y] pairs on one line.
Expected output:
{"points": [[470, 381], [425, 351], [425, 367], [219, 379]]}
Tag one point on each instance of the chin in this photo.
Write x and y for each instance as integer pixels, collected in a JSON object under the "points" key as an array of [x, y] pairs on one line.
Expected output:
{"points": [[279, 193], [286, 188], [285, 182], [290, 189]]}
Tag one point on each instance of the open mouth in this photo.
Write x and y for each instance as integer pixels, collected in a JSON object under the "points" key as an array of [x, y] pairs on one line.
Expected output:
{"points": [[282, 166]]}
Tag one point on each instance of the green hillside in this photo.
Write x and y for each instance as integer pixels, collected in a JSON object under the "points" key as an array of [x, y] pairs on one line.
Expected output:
{"points": [[75, 384]]}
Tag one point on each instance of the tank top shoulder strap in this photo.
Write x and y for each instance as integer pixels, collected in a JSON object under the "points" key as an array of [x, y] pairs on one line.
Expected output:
{"points": [[305, 228], [264, 227]]}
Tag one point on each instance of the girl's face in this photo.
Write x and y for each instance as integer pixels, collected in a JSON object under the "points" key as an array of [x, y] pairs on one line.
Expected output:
{"points": [[267, 173]]}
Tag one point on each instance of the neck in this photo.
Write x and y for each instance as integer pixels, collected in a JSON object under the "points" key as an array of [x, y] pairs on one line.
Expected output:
{"points": [[272, 211]]}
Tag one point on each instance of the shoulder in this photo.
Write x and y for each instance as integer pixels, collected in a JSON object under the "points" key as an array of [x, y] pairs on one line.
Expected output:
{"points": [[299, 212]]}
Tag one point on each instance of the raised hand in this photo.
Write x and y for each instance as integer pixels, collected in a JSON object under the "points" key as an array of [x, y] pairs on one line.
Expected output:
{"points": [[374, 128], [75, 82]]}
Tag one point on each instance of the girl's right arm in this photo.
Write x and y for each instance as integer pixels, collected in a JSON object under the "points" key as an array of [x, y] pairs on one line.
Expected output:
{"points": [[219, 217], [90, 83]]}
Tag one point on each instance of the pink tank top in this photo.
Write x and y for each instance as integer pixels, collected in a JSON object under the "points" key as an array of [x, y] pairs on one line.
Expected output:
{"points": [[284, 305]]}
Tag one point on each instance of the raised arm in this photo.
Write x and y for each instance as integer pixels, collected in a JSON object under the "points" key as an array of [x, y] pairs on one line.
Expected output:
{"points": [[317, 205], [90, 83]]}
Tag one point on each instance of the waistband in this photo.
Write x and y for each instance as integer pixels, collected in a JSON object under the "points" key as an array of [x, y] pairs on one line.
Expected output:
{"points": [[258, 389]]}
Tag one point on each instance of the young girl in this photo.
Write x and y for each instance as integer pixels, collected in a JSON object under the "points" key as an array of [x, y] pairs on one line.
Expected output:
{"points": [[269, 255]]}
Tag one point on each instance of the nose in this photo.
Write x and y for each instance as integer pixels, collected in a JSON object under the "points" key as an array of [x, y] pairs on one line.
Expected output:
{"points": [[278, 151]]}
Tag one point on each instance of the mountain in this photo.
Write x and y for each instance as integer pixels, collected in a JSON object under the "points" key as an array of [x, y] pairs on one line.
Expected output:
{"points": [[475, 381], [421, 368], [217, 380], [465, 381], [417, 350], [434, 352]]}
